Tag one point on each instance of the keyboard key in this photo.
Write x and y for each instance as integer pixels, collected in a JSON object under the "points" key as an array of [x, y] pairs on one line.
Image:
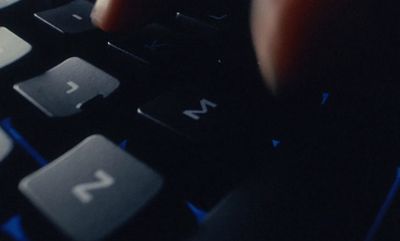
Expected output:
{"points": [[6, 3], [191, 24], [151, 45], [271, 203], [6, 145], [210, 20], [96, 183], [190, 113], [240, 216], [218, 18], [338, 152], [63, 90], [160, 49], [72, 18], [12, 47]]}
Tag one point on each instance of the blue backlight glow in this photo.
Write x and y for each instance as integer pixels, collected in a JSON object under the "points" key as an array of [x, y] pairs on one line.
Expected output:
{"points": [[385, 208], [198, 213], [22, 142], [13, 229]]}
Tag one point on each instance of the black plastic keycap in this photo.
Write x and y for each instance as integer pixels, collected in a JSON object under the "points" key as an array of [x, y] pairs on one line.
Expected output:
{"points": [[72, 18], [154, 44], [12, 47], [194, 114], [6, 3], [62, 90], [92, 190], [6, 145]]}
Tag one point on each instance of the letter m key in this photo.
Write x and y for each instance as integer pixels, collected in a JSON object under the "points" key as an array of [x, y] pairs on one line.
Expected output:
{"points": [[195, 114], [83, 191]]}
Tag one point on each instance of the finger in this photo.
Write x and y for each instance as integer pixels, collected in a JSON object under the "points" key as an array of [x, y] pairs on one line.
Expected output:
{"points": [[281, 29], [117, 15]]}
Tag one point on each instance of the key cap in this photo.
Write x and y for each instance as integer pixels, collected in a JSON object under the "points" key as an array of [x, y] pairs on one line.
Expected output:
{"points": [[275, 208], [189, 113], [151, 45], [96, 183], [12, 47], [239, 217], [210, 20], [6, 3], [191, 24], [220, 133], [158, 49], [6, 145], [72, 18], [63, 90]]}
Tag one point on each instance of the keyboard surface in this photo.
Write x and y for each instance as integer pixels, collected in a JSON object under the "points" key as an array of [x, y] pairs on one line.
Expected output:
{"points": [[166, 132]]}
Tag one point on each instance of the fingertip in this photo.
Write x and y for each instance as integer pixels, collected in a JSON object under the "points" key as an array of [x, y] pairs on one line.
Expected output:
{"points": [[107, 14], [281, 31], [100, 14], [121, 15]]}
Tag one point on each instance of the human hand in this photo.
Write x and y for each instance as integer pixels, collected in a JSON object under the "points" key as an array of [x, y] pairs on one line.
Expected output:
{"points": [[289, 36]]}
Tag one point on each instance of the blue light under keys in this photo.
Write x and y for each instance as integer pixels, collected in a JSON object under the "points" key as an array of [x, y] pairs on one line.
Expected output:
{"points": [[198, 213], [13, 229], [325, 97], [123, 145], [275, 143], [22, 142], [384, 208]]}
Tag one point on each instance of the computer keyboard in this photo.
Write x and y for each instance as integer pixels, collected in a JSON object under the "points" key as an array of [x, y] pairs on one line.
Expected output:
{"points": [[166, 132]]}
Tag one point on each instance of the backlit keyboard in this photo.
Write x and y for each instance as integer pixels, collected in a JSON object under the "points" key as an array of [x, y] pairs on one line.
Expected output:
{"points": [[166, 132]]}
